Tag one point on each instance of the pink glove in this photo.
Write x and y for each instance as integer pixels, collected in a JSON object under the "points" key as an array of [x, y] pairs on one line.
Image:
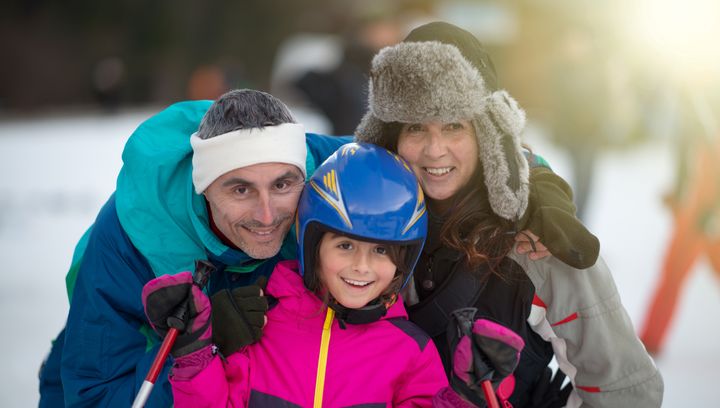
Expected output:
{"points": [[162, 299], [482, 350]]}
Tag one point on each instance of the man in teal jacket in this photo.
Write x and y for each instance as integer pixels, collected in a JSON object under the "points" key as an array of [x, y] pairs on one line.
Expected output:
{"points": [[228, 197]]}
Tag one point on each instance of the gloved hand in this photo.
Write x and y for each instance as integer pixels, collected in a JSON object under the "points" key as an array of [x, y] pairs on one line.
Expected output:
{"points": [[529, 243], [163, 298], [551, 216], [239, 316], [549, 391], [481, 350]]}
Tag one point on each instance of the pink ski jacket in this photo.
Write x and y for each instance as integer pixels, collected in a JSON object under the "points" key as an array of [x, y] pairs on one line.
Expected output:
{"points": [[305, 359]]}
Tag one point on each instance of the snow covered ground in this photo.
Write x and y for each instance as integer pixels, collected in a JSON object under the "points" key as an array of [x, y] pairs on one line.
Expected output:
{"points": [[57, 171]]}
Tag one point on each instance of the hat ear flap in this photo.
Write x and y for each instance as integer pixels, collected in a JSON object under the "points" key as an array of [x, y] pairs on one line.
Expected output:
{"points": [[370, 129], [505, 166]]}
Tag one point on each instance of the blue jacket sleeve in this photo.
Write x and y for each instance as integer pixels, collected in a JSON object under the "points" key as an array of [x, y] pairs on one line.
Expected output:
{"points": [[108, 346], [322, 146]]}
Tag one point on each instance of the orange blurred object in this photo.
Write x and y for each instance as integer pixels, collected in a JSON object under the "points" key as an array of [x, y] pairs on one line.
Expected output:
{"points": [[207, 82], [696, 232]]}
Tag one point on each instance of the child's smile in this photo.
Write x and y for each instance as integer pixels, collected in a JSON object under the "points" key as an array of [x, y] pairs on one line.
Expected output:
{"points": [[354, 272]]}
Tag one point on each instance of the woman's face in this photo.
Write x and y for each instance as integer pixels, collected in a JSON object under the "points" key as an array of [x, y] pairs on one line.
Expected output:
{"points": [[444, 156]]}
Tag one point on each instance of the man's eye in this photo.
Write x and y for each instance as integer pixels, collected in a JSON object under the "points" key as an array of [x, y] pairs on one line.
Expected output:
{"points": [[288, 185], [415, 127], [241, 190], [454, 126]]}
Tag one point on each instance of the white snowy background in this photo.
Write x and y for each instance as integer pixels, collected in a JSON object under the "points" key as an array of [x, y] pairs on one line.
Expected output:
{"points": [[56, 172]]}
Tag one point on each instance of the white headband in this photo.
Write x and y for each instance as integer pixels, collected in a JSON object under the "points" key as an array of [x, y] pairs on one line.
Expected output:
{"points": [[220, 154]]}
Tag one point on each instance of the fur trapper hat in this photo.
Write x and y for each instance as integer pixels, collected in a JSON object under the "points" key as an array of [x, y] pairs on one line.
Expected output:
{"points": [[442, 73]]}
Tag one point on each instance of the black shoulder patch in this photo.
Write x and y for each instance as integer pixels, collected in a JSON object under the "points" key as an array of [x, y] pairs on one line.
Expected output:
{"points": [[412, 330]]}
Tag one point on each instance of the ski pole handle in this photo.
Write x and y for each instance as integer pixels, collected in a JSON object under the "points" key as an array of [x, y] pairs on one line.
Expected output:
{"points": [[203, 269], [489, 394]]}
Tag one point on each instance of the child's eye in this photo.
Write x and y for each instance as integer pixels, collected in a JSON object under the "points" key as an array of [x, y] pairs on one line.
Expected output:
{"points": [[381, 250], [345, 245]]}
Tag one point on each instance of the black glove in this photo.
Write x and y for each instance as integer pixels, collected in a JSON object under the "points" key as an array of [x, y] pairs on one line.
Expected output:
{"points": [[239, 316], [481, 350], [551, 216], [549, 391]]}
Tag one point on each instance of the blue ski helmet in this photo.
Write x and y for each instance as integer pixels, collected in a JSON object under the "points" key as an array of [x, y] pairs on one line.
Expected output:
{"points": [[365, 192]]}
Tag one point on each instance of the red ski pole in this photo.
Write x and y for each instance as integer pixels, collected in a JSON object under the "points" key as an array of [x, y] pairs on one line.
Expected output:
{"points": [[203, 269], [489, 394]]}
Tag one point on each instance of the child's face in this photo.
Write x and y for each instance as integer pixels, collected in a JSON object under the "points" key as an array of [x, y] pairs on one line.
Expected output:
{"points": [[354, 272]]}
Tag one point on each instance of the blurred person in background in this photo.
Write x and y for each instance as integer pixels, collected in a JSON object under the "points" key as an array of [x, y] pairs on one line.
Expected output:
{"points": [[207, 82], [579, 106], [108, 80], [593, 104], [340, 93], [213, 79], [695, 206], [434, 99]]}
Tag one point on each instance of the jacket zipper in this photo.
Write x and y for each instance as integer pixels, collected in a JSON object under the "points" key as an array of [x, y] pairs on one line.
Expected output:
{"points": [[322, 359]]}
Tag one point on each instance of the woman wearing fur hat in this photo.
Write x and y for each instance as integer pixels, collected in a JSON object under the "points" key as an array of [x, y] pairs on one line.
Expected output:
{"points": [[434, 100]]}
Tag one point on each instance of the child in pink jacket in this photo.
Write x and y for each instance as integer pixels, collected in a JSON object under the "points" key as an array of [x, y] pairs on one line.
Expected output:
{"points": [[338, 333]]}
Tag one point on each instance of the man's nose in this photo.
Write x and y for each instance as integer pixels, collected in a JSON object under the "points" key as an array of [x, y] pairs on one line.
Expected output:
{"points": [[264, 210]]}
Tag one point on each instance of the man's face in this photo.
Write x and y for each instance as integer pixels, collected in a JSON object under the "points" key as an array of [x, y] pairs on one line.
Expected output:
{"points": [[254, 206]]}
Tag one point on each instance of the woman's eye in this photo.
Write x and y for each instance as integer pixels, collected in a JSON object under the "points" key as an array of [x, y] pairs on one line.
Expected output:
{"points": [[345, 245], [454, 126], [415, 127], [381, 250]]}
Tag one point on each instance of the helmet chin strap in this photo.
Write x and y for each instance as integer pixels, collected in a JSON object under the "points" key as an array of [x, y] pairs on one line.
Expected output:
{"points": [[372, 312]]}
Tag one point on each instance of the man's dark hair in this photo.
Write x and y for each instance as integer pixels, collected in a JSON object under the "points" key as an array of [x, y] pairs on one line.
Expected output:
{"points": [[243, 109]]}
